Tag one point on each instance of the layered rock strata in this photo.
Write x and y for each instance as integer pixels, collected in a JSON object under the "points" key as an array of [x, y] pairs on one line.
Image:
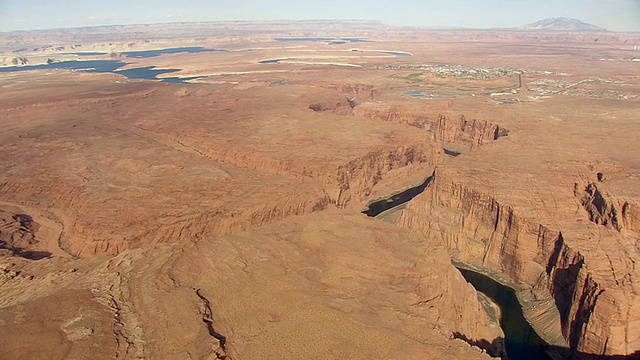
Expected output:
{"points": [[597, 303], [148, 166], [306, 287], [448, 130]]}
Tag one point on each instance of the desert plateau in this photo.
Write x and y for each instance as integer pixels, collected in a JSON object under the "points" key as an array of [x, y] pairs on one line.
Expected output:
{"points": [[319, 190]]}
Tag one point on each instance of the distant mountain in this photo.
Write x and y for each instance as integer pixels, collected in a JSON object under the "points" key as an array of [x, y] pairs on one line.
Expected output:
{"points": [[562, 24]]}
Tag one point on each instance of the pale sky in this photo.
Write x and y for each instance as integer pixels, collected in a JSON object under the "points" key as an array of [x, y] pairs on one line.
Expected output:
{"points": [[616, 15]]}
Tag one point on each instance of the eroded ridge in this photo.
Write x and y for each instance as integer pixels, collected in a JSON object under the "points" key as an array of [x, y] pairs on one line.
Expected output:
{"points": [[608, 210], [445, 129]]}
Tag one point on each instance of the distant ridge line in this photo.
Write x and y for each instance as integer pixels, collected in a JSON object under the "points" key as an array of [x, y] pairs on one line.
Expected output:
{"points": [[562, 24]]}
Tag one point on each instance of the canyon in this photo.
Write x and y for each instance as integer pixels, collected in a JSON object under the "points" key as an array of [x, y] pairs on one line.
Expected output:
{"points": [[220, 217]]}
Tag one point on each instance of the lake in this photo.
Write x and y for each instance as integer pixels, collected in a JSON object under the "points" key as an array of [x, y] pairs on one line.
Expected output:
{"points": [[153, 53], [330, 41], [94, 66], [113, 66], [274, 61], [103, 66], [421, 95], [88, 53], [397, 53]]}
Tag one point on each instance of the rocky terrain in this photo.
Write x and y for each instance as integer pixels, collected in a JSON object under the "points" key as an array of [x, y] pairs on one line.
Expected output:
{"points": [[552, 234], [288, 290], [219, 217]]}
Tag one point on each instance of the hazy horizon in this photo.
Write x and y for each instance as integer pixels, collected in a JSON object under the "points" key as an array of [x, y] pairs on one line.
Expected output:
{"points": [[615, 15]]}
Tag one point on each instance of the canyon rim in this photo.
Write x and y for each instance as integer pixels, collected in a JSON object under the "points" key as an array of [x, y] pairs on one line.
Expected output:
{"points": [[195, 190]]}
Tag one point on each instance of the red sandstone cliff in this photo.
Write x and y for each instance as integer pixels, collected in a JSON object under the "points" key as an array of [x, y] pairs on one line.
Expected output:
{"points": [[307, 286], [594, 288], [447, 130]]}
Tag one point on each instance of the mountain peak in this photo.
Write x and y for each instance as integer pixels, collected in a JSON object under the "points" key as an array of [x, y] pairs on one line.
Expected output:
{"points": [[562, 24]]}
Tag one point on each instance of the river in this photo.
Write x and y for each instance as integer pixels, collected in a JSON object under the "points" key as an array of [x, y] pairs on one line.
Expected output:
{"points": [[521, 340]]}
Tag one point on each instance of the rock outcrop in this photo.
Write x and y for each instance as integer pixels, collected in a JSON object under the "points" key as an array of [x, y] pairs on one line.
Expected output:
{"points": [[16, 232], [300, 288], [447, 130], [188, 207], [598, 305], [139, 178], [13, 60], [604, 209]]}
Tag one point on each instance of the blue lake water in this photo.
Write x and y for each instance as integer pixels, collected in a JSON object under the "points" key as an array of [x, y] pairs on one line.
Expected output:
{"points": [[274, 61], [179, 80], [421, 95], [330, 41], [112, 66], [94, 66], [147, 72], [104, 66], [158, 52], [88, 53], [311, 39], [356, 40], [397, 53]]}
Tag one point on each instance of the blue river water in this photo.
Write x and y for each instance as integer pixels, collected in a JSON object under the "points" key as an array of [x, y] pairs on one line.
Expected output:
{"points": [[522, 342]]}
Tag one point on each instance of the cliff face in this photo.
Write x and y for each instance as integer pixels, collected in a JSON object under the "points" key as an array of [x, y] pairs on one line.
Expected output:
{"points": [[359, 176], [309, 276], [16, 232], [597, 304], [355, 92], [189, 227], [608, 210], [480, 230], [159, 164], [340, 187], [445, 129], [341, 183], [305, 287]]}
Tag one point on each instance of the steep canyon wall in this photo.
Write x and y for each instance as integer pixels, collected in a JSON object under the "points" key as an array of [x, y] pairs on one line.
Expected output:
{"points": [[447, 130], [598, 306]]}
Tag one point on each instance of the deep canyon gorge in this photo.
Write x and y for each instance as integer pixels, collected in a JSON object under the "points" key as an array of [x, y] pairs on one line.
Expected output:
{"points": [[221, 216]]}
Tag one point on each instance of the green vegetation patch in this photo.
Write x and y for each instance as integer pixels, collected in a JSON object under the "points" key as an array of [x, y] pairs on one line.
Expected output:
{"points": [[413, 77]]}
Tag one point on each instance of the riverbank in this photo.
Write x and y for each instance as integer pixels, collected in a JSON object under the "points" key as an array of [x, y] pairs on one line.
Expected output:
{"points": [[537, 310], [530, 319]]}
